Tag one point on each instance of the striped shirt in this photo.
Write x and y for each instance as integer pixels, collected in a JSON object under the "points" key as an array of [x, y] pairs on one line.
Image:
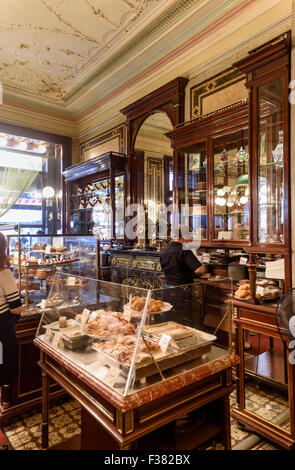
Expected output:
{"points": [[9, 295]]}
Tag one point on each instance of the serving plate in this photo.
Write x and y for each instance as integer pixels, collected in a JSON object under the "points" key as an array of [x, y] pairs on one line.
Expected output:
{"points": [[166, 308], [70, 324]]}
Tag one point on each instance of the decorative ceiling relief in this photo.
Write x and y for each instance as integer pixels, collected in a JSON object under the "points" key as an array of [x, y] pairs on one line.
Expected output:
{"points": [[46, 45]]}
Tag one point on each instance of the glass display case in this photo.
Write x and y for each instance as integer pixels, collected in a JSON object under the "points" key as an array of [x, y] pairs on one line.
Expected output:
{"points": [[126, 337], [263, 351], [96, 196], [195, 189], [36, 259], [231, 190], [213, 169], [270, 163]]}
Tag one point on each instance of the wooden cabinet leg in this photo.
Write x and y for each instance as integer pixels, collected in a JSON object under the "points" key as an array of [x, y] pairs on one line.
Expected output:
{"points": [[225, 436], [6, 397], [45, 410]]}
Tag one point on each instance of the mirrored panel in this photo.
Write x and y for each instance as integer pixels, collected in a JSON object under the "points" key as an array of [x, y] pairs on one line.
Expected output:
{"points": [[153, 167]]}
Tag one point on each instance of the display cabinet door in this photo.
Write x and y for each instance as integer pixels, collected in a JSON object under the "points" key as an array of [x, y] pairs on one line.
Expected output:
{"points": [[195, 187], [270, 167], [231, 187], [119, 207]]}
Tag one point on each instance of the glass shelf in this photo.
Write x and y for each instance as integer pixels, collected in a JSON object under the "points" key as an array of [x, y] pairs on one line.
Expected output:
{"points": [[261, 165]]}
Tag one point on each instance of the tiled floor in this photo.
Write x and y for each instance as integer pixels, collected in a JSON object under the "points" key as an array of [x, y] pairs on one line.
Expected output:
{"points": [[24, 433]]}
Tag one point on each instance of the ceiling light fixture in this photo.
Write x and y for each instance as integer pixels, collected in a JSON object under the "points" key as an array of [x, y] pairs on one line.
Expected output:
{"points": [[23, 145], [42, 149]]}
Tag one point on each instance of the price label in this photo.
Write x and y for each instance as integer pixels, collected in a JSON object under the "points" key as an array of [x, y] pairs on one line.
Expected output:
{"points": [[164, 342], [56, 339], [243, 260], [43, 304], [93, 315], [129, 315], [71, 281], [112, 376], [47, 249], [47, 335], [39, 261], [84, 317]]}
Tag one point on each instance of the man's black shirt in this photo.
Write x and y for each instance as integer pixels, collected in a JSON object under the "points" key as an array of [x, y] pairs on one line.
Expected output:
{"points": [[178, 265]]}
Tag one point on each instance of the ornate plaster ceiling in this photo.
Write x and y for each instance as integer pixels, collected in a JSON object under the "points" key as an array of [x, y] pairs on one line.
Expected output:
{"points": [[48, 46]]}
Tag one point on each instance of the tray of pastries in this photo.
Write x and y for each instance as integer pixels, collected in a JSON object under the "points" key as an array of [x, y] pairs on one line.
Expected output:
{"points": [[105, 325], [243, 292], [265, 290], [136, 304], [121, 350], [183, 337], [119, 353]]}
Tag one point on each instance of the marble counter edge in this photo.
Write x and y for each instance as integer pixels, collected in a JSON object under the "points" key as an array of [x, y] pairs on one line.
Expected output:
{"points": [[148, 394]]}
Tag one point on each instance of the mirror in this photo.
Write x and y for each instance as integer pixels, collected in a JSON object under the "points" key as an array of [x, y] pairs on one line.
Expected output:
{"points": [[153, 147]]}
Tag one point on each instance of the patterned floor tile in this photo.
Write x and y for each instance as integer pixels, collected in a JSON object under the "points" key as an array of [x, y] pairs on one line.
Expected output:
{"points": [[65, 418]]}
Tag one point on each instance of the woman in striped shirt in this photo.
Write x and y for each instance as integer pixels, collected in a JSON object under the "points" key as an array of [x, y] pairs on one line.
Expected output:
{"points": [[10, 310]]}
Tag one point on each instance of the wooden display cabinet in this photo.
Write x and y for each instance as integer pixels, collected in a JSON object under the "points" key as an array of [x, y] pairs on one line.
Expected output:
{"points": [[268, 71], [139, 420], [95, 192], [261, 168], [213, 174], [24, 393]]}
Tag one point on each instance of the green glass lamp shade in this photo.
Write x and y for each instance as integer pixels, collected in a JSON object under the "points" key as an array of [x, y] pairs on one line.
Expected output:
{"points": [[242, 180]]}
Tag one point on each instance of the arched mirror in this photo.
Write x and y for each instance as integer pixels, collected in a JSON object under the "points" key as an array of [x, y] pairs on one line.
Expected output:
{"points": [[153, 147], [150, 166]]}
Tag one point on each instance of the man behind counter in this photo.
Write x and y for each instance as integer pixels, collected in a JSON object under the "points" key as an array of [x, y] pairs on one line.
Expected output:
{"points": [[179, 265]]}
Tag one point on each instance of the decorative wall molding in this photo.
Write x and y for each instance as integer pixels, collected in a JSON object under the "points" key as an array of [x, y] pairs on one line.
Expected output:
{"points": [[218, 84], [112, 140]]}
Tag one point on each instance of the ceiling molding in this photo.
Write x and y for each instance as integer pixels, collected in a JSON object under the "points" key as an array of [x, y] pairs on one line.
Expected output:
{"points": [[167, 39]]}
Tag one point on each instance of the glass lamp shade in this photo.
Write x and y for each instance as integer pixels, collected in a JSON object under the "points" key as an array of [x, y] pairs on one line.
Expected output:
{"points": [[23, 145], [220, 201], [243, 180], [241, 156], [243, 200], [224, 156], [47, 192], [42, 149]]}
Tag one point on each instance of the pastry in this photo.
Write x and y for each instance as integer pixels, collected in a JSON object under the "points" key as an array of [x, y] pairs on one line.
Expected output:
{"points": [[138, 304], [62, 322]]}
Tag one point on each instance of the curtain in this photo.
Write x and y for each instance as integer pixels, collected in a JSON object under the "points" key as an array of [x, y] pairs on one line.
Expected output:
{"points": [[13, 183]]}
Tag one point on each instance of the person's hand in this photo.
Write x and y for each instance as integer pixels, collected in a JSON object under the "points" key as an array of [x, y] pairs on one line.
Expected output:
{"points": [[201, 270], [16, 311]]}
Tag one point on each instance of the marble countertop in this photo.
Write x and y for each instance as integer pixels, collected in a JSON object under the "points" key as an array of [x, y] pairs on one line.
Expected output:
{"points": [[147, 394]]}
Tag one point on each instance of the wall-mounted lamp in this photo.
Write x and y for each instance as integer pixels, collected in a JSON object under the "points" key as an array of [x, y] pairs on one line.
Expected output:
{"points": [[47, 192]]}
